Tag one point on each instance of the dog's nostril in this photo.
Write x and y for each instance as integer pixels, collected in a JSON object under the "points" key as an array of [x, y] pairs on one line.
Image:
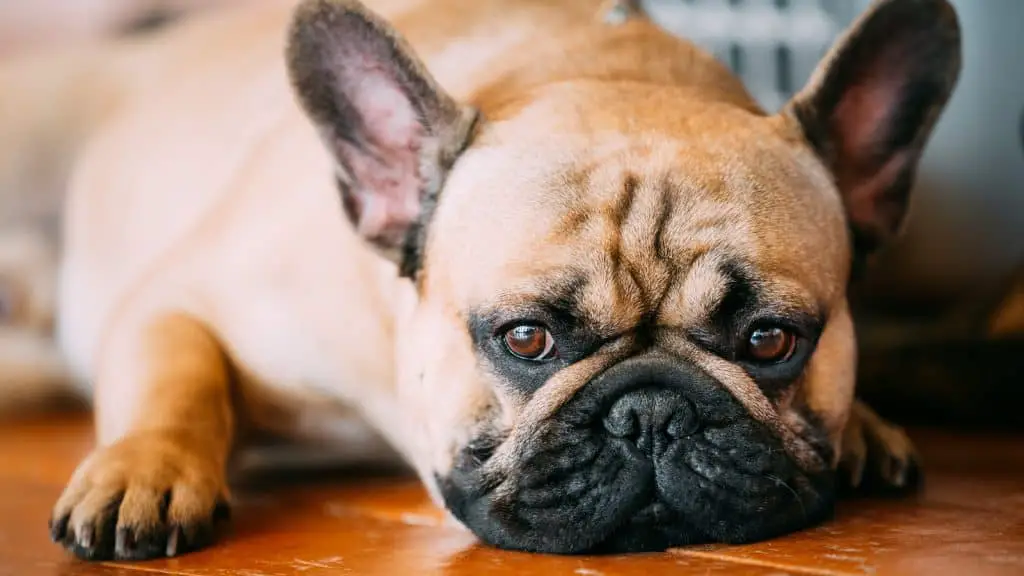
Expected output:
{"points": [[622, 421], [683, 423], [648, 415]]}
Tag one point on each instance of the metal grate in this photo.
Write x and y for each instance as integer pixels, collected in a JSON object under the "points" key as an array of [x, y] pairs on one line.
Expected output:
{"points": [[772, 45]]}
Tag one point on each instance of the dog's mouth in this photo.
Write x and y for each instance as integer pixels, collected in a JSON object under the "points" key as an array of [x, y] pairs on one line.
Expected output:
{"points": [[614, 502], [583, 485], [655, 527]]}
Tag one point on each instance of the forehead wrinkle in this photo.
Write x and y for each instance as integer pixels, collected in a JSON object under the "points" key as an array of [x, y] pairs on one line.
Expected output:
{"points": [[570, 187], [705, 212], [626, 289], [656, 234], [701, 290], [632, 273], [643, 250], [699, 237], [612, 294]]}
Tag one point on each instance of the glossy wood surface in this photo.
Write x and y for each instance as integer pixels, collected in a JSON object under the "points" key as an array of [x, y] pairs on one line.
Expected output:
{"points": [[968, 521]]}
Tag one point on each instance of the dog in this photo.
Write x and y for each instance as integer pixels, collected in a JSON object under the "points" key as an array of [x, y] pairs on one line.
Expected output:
{"points": [[302, 225]]}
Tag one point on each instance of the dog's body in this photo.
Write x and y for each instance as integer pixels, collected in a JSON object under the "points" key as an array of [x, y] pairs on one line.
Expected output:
{"points": [[306, 361], [224, 227], [578, 179]]}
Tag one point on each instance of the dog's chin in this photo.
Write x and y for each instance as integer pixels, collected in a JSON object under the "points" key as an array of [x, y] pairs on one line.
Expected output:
{"points": [[574, 489]]}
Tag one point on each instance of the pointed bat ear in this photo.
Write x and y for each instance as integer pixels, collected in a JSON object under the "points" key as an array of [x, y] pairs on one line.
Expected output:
{"points": [[870, 107], [392, 130]]}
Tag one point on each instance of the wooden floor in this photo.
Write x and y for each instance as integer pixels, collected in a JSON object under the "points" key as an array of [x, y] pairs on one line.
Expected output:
{"points": [[969, 521]]}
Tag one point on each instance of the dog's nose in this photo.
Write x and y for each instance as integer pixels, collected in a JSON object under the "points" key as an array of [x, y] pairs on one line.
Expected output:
{"points": [[651, 417]]}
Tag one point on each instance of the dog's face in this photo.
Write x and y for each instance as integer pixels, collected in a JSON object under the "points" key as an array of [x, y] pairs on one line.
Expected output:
{"points": [[627, 326], [645, 342]]}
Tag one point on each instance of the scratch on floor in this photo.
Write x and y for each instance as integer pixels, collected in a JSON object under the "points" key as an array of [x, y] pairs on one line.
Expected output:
{"points": [[845, 549], [845, 558], [775, 565], [419, 519], [121, 566], [303, 565]]}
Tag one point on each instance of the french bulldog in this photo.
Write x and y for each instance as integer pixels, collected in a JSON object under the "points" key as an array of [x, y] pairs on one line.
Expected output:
{"points": [[561, 264]]}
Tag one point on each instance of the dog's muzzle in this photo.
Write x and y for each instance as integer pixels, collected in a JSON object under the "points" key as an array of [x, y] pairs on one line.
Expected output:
{"points": [[653, 453], [651, 419]]}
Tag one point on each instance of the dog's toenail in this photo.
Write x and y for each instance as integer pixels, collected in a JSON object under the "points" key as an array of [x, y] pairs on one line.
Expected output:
{"points": [[58, 528], [125, 541], [899, 472], [85, 536], [173, 541]]}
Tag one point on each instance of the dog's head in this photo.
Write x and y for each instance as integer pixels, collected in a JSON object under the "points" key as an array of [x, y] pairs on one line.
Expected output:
{"points": [[626, 324]]}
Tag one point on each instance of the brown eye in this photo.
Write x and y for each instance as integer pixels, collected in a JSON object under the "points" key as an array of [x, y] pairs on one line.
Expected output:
{"points": [[530, 342], [771, 344]]}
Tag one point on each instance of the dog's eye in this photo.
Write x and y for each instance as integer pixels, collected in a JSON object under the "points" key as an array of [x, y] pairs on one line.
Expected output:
{"points": [[530, 342], [770, 345]]}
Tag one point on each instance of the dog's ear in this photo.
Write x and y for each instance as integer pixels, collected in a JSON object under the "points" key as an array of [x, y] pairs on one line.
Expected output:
{"points": [[869, 108], [393, 131]]}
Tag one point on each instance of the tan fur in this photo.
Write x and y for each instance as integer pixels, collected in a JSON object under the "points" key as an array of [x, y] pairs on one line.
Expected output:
{"points": [[871, 441], [211, 287], [177, 449]]}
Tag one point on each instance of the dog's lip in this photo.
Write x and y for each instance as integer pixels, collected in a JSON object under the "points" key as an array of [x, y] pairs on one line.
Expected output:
{"points": [[656, 518], [657, 512]]}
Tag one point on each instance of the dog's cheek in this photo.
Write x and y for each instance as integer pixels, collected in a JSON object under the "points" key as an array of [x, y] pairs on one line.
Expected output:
{"points": [[441, 394], [828, 389]]}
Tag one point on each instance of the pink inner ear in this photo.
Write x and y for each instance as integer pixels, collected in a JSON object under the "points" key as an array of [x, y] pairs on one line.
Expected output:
{"points": [[861, 131], [862, 128], [860, 120], [868, 205], [385, 174]]}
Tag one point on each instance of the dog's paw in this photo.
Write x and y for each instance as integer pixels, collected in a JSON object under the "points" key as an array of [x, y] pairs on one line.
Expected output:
{"points": [[877, 457], [147, 496]]}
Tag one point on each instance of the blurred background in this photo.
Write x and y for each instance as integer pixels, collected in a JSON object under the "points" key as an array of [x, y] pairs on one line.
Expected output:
{"points": [[956, 272]]}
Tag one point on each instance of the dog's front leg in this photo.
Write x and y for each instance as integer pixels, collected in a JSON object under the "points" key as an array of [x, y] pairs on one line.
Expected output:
{"points": [[877, 456], [156, 483]]}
